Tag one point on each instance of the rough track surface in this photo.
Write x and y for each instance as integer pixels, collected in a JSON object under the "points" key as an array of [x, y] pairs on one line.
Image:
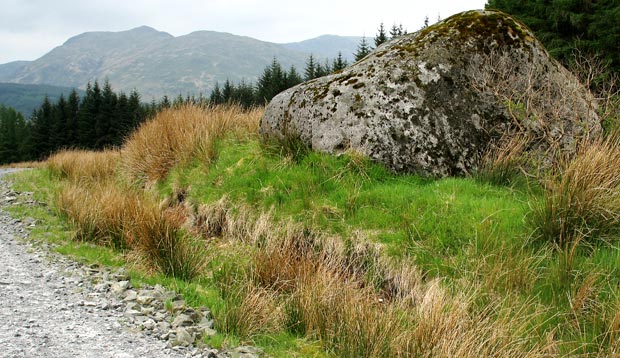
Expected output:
{"points": [[45, 312]]}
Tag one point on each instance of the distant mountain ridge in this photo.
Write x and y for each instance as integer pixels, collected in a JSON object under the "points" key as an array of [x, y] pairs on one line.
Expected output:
{"points": [[157, 63], [328, 46]]}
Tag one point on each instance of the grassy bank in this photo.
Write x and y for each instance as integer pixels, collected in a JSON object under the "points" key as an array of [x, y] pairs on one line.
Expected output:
{"points": [[308, 254]]}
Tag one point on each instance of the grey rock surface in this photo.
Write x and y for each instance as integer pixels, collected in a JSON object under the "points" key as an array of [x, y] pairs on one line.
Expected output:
{"points": [[55, 307], [431, 102]]}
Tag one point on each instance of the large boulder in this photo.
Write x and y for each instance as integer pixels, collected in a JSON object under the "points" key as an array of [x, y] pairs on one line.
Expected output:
{"points": [[431, 102]]}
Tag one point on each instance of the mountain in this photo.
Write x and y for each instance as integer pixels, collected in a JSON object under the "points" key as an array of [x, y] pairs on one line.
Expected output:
{"points": [[157, 63], [25, 98], [328, 46]]}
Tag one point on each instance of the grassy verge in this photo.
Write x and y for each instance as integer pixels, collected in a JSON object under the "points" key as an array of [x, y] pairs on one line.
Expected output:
{"points": [[313, 255]]}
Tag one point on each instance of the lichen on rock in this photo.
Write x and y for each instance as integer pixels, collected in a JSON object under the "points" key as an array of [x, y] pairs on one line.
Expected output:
{"points": [[431, 102]]}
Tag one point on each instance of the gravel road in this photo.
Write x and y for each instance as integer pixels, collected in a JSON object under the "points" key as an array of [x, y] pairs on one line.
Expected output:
{"points": [[46, 309]]}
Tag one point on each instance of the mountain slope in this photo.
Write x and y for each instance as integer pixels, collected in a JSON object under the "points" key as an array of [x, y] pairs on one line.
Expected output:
{"points": [[25, 98], [328, 46], [153, 62]]}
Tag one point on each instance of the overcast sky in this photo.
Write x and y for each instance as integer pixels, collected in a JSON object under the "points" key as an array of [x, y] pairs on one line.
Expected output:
{"points": [[31, 28]]}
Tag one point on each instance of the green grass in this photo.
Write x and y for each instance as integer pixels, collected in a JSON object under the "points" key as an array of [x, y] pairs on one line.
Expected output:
{"points": [[462, 230], [427, 219]]}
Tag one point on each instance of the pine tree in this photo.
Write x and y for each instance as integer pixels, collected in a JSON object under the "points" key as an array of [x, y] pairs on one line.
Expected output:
{"points": [[227, 92], [272, 81], [216, 95], [123, 120], [104, 117], [41, 128], [58, 125], [381, 36], [293, 78], [71, 129], [310, 70], [178, 101], [339, 63], [137, 113], [88, 115], [362, 49], [244, 95], [397, 31], [590, 27], [11, 135]]}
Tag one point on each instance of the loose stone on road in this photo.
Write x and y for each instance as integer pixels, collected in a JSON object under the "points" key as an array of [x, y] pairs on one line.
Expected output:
{"points": [[48, 308]]}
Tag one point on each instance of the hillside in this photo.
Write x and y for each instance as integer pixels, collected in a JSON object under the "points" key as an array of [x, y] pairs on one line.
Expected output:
{"points": [[25, 98], [157, 63], [328, 46], [305, 254]]}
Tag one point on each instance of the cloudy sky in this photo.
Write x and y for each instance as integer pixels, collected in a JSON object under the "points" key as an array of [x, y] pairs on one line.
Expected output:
{"points": [[31, 28]]}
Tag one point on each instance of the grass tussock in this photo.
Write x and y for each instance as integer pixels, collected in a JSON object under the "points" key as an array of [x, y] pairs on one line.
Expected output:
{"points": [[582, 200], [350, 298], [99, 212], [106, 212], [181, 134], [504, 162], [82, 165], [159, 236]]}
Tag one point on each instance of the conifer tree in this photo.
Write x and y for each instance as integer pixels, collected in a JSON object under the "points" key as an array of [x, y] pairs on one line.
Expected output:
{"points": [[41, 128], [137, 113], [293, 78], [104, 118], [12, 135], [339, 63], [362, 49], [310, 70], [71, 129], [381, 36], [216, 95], [227, 92], [397, 31], [58, 125], [272, 82], [590, 27]]}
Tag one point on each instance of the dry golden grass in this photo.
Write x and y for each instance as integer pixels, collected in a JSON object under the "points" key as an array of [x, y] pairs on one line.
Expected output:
{"points": [[177, 135], [504, 161], [109, 215], [104, 211], [252, 310], [82, 165], [582, 201], [354, 301], [99, 211]]}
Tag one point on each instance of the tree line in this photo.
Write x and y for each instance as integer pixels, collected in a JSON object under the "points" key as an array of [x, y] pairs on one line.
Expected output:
{"points": [[570, 27], [273, 80], [100, 119]]}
